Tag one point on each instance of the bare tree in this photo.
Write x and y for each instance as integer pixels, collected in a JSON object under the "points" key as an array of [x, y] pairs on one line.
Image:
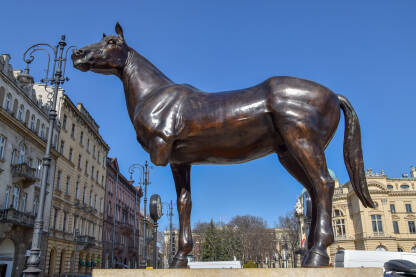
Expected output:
{"points": [[290, 226]]}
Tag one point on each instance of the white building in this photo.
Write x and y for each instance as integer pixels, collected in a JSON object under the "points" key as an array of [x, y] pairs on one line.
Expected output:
{"points": [[23, 133]]}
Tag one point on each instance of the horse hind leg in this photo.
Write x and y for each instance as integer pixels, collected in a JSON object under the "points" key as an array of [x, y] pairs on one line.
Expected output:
{"points": [[296, 170], [306, 147], [182, 178]]}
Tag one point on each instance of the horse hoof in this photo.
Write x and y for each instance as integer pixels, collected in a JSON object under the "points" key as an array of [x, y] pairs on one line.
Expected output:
{"points": [[316, 258], [179, 263]]}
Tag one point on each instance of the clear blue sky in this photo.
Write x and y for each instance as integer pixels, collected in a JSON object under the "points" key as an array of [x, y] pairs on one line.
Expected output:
{"points": [[365, 50]]}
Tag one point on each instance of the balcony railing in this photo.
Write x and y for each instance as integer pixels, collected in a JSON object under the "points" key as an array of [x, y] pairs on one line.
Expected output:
{"points": [[16, 217], [24, 174]]}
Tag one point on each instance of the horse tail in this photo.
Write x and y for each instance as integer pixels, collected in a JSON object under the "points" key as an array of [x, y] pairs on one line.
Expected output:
{"points": [[353, 153]]}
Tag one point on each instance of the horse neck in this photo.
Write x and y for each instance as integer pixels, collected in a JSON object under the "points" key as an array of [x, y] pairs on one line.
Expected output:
{"points": [[140, 77]]}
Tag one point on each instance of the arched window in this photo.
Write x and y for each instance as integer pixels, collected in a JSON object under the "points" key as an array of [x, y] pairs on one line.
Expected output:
{"points": [[20, 113], [37, 126], [2, 93], [381, 248], [8, 103], [42, 131], [22, 154], [27, 117], [52, 257], [15, 105], [32, 122]]}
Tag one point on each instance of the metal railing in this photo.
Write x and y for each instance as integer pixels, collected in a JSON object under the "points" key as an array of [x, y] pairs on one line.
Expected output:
{"points": [[12, 215], [24, 174]]}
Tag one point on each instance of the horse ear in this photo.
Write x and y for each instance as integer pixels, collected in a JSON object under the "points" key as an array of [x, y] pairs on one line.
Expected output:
{"points": [[119, 30], [104, 35]]}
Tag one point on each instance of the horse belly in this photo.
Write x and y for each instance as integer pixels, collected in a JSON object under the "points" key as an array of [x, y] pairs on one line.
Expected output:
{"points": [[233, 143]]}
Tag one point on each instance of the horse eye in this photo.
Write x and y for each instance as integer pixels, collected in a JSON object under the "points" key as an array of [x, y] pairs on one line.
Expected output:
{"points": [[111, 41]]}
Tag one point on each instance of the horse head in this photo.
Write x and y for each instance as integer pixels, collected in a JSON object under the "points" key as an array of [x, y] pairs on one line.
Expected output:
{"points": [[108, 56]]}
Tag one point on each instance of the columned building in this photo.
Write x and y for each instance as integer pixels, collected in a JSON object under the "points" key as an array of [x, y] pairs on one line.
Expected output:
{"points": [[23, 132], [122, 220], [388, 227], [75, 234]]}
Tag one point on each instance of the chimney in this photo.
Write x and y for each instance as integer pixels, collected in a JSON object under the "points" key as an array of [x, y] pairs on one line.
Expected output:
{"points": [[412, 172]]}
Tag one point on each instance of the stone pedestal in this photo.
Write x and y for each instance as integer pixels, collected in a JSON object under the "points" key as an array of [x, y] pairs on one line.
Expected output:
{"points": [[252, 272]]}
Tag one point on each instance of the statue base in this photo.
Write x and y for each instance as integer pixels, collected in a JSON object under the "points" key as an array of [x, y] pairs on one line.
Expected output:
{"points": [[248, 272]]}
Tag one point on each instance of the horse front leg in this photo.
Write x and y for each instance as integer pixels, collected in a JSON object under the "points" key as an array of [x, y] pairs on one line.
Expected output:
{"points": [[181, 175]]}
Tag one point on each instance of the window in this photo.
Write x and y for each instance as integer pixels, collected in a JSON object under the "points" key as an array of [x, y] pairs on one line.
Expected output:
{"points": [[408, 208], [412, 228], [92, 172], [404, 186], [32, 123], [70, 154], [38, 168], [77, 189], [15, 200], [396, 227], [81, 137], [22, 154], [338, 213], [62, 147], [399, 249], [35, 205], [42, 131], [93, 151], [88, 145], [73, 130], [58, 180], [96, 176], [75, 223], [389, 186], [90, 198], [64, 222], [101, 204], [109, 208], [413, 250], [2, 146], [95, 201], [392, 208], [64, 122], [68, 183], [7, 198], [8, 104], [84, 195], [55, 215], [20, 113], [377, 224], [86, 167], [98, 158], [102, 180], [79, 161]]}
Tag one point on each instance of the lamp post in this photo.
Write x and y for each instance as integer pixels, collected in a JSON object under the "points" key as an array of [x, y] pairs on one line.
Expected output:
{"points": [[57, 78], [144, 181]]}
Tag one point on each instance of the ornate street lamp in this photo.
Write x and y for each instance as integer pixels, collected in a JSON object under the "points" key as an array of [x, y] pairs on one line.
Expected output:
{"points": [[57, 79], [155, 207], [144, 181]]}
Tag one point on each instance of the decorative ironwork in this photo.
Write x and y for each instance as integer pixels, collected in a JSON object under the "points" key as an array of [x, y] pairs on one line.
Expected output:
{"points": [[24, 174]]}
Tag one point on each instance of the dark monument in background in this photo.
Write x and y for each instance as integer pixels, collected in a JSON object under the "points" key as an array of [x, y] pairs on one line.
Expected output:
{"points": [[182, 125]]}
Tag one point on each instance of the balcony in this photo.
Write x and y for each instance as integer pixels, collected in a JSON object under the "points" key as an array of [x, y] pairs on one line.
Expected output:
{"points": [[16, 217], [85, 241], [23, 174]]}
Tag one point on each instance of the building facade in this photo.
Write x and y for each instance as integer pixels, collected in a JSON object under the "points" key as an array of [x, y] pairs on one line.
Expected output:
{"points": [[122, 220], [23, 133], [388, 227], [75, 229]]}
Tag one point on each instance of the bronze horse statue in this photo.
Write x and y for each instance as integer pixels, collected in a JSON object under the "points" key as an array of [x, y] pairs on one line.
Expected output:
{"points": [[182, 125]]}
